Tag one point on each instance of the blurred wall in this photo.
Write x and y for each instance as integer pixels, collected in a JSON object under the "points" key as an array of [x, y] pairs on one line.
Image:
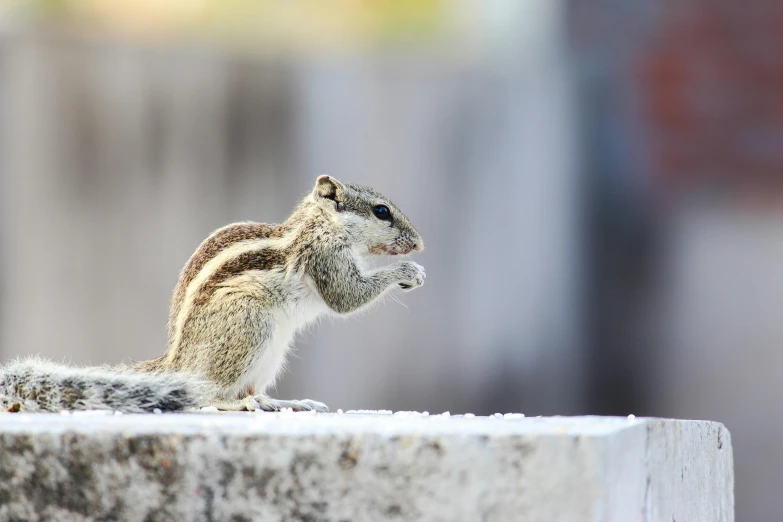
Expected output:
{"points": [[685, 118], [117, 159]]}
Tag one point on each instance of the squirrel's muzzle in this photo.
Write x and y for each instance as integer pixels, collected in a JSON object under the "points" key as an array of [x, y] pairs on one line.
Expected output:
{"points": [[400, 246], [408, 245]]}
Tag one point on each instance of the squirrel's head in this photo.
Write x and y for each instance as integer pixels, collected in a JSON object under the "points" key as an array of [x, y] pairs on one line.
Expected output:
{"points": [[370, 219]]}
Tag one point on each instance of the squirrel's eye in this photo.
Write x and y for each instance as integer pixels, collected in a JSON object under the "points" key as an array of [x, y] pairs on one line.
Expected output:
{"points": [[382, 212]]}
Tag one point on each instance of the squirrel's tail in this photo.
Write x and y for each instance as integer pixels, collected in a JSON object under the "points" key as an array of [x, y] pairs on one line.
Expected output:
{"points": [[36, 384]]}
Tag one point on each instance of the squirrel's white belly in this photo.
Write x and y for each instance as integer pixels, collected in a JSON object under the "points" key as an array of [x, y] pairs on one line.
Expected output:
{"points": [[272, 355]]}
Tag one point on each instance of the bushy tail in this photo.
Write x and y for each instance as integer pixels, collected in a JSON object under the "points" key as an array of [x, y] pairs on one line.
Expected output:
{"points": [[36, 384]]}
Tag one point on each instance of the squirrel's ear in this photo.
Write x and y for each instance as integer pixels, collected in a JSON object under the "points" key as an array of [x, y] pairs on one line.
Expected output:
{"points": [[329, 188]]}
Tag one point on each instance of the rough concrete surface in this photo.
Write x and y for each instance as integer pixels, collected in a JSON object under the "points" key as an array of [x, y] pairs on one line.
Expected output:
{"points": [[362, 467]]}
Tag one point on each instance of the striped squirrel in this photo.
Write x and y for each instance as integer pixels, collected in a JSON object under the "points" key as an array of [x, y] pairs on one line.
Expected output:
{"points": [[240, 299]]}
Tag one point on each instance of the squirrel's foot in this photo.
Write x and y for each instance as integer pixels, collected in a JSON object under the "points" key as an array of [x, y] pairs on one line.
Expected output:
{"points": [[264, 402], [268, 404]]}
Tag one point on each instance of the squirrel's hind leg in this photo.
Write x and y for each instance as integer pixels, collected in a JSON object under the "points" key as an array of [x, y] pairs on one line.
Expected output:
{"points": [[247, 404]]}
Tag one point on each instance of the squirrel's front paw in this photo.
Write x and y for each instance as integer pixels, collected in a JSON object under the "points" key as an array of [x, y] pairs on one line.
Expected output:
{"points": [[412, 275]]}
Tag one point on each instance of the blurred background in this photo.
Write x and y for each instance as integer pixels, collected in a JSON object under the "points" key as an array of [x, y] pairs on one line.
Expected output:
{"points": [[599, 185]]}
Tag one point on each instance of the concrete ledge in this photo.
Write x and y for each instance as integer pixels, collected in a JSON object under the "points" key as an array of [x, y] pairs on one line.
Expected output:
{"points": [[330, 467]]}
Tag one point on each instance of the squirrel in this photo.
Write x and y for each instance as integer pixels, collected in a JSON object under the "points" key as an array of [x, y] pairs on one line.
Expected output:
{"points": [[240, 299]]}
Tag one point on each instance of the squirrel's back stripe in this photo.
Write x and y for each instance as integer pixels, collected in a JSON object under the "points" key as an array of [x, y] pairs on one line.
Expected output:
{"points": [[248, 254], [219, 240], [263, 259]]}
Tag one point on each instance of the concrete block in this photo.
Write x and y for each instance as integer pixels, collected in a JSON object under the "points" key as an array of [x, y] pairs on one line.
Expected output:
{"points": [[362, 467]]}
